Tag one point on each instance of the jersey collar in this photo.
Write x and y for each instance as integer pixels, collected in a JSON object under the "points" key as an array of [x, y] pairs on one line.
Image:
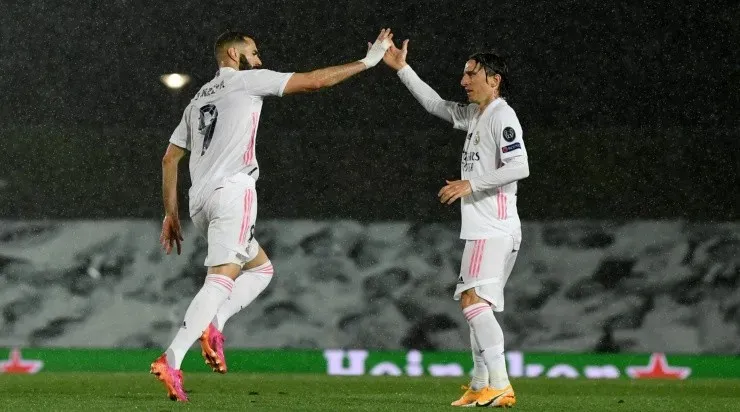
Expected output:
{"points": [[224, 69], [491, 105]]}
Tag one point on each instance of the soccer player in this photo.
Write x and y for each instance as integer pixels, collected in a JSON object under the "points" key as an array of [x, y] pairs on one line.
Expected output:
{"points": [[219, 129], [493, 160]]}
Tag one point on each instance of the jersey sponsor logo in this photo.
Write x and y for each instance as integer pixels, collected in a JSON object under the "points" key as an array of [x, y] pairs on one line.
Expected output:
{"points": [[509, 134], [470, 156], [468, 160], [509, 148]]}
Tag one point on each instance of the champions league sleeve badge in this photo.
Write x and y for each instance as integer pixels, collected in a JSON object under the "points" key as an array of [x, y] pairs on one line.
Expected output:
{"points": [[509, 134]]}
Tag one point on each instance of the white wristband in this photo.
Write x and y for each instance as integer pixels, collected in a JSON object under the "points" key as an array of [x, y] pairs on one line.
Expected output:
{"points": [[368, 62], [376, 53]]}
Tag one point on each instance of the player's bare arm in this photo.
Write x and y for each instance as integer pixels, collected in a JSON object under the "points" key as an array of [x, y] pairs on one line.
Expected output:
{"points": [[330, 76], [171, 232]]}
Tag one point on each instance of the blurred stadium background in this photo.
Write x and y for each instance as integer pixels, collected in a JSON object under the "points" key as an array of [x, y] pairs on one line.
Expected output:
{"points": [[631, 214]]}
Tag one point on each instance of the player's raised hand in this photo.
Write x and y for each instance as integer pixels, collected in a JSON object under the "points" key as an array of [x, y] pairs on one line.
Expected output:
{"points": [[454, 190], [395, 58], [171, 233], [376, 50]]}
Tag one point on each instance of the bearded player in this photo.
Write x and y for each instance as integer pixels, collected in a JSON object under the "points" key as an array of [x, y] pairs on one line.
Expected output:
{"points": [[219, 129], [493, 160]]}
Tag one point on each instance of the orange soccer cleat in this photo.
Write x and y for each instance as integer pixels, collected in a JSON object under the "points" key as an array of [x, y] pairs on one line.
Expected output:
{"points": [[212, 349], [496, 398], [170, 377], [469, 397]]}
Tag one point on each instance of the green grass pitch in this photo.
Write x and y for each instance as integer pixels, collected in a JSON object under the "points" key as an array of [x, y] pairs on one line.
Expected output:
{"points": [[271, 392]]}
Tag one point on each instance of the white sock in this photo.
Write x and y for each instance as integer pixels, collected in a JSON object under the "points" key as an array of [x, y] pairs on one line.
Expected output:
{"points": [[479, 379], [204, 305], [247, 287], [491, 341]]}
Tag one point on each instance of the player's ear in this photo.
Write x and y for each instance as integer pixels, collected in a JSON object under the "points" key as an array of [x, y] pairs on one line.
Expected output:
{"points": [[233, 53], [494, 80]]}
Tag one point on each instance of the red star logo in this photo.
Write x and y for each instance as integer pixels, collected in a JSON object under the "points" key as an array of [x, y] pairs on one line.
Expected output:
{"points": [[658, 368], [16, 364]]}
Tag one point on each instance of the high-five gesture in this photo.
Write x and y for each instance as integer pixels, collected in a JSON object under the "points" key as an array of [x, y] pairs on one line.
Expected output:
{"points": [[376, 50], [394, 57]]}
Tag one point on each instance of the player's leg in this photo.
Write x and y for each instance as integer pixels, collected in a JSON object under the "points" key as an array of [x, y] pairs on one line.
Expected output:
{"points": [[239, 213], [479, 379], [227, 253], [490, 338], [481, 292], [216, 288], [164, 367], [254, 278]]}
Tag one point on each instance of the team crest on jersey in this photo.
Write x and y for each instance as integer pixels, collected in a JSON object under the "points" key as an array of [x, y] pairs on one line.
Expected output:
{"points": [[509, 134], [477, 138]]}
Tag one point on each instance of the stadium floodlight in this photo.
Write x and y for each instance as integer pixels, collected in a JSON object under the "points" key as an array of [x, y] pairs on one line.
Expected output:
{"points": [[175, 81]]}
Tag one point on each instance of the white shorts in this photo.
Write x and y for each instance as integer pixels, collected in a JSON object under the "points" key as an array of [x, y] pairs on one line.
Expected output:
{"points": [[486, 266], [227, 222]]}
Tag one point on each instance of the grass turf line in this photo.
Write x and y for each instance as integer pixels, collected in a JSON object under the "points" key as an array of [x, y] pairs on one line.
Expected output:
{"points": [[266, 392]]}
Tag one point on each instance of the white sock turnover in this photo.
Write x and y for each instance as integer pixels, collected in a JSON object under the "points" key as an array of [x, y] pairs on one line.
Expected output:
{"points": [[246, 288]]}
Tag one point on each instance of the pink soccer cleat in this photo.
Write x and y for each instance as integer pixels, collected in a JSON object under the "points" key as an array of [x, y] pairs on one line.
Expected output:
{"points": [[171, 378], [212, 349]]}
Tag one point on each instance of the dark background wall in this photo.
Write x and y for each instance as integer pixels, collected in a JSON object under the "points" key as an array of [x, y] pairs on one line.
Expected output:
{"points": [[629, 110]]}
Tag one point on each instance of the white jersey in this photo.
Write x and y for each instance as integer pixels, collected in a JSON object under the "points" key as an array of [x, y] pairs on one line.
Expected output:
{"points": [[494, 137], [219, 128]]}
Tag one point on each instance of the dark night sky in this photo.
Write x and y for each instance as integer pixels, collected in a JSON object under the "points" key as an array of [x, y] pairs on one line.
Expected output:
{"points": [[651, 90]]}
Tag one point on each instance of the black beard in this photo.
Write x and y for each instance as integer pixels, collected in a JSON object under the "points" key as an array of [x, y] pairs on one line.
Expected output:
{"points": [[244, 63]]}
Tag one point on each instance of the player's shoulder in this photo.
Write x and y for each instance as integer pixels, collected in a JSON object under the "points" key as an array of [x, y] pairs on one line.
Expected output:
{"points": [[213, 88], [503, 113], [260, 79], [469, 108], [256, 73], [504, 110]]}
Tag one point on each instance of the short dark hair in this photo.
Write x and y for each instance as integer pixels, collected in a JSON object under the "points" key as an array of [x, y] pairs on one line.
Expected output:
{"points": [[228, 38], [494, 63]]}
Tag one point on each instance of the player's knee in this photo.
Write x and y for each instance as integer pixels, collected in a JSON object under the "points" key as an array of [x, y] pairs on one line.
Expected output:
{"points": [[469, 297], [231, 270], [259, 260]]}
